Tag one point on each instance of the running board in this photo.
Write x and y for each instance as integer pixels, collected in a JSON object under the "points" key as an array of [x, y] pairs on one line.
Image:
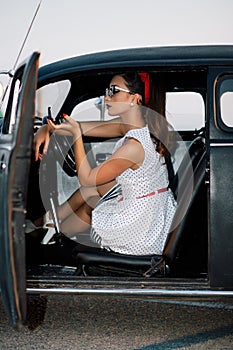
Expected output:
{"points": [[160, 293]]}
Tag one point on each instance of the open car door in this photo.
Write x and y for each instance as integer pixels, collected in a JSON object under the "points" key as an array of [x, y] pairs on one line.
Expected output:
{"points": [[15, 157]]}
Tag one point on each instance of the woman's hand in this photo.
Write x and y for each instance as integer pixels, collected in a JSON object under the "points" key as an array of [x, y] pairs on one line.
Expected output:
{"points": [[41, 138], [68, 126]]}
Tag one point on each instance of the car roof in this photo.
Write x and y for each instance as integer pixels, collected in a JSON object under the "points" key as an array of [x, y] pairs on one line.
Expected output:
{"points": [[145, 57]]}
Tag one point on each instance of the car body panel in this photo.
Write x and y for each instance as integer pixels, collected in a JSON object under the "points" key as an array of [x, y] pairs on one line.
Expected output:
{"points": [[183, 56], [15, 150], [220, 153]]}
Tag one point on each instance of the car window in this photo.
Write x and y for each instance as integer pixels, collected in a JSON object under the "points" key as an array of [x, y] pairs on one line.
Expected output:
{"points": [[91, 109], [14, 105], [226, 102], [53, 96], [185, 110]]}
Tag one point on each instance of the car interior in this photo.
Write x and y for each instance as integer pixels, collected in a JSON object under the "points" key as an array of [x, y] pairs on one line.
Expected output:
{"points": [[185, 251]]}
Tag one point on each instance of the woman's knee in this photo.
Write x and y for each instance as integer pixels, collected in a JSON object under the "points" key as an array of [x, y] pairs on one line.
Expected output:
{"points": [[88, 192], [78, 221], [103, 189]]}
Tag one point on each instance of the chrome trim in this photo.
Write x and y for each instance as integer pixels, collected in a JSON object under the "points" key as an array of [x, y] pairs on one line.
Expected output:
{"points": [[132, 292], [221, 144]]}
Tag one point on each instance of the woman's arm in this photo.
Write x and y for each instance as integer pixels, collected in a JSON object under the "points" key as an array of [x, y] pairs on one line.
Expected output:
{"points": [[110, 128], [130, 155]]}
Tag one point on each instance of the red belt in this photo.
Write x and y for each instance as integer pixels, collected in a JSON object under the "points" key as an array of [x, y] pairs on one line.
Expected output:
{"points": [[161, 190]]}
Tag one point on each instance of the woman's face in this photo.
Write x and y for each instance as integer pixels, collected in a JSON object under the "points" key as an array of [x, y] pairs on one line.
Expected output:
{"points": [[120, 102]]}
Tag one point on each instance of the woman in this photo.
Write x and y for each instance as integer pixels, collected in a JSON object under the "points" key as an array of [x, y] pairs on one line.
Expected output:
{"points": [[126, 199]]}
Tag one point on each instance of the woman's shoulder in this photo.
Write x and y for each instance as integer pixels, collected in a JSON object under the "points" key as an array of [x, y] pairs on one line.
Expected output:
{"points": [[138, 132]]}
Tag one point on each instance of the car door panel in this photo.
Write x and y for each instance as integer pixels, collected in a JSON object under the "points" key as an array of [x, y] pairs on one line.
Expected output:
{"points": [[15, 157]]}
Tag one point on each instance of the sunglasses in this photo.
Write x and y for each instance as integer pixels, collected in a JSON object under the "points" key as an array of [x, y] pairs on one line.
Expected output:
{"points": [[114, 89]]}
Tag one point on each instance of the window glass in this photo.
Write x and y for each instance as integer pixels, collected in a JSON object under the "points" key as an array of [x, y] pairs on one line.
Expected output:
{"points": [[92, 109], [14, 104], [185, 110], [51, 95], [226, 102]]}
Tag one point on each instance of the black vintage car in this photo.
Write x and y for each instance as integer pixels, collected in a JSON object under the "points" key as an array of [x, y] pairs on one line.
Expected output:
{"points": [[197, 82]]}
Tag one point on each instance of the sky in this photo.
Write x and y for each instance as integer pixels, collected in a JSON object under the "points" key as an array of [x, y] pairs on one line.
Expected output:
{"points": [[65, 28]]}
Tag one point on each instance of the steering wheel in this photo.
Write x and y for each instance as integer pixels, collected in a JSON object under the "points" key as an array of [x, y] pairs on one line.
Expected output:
{"points": [[62, 149], [61, 146]]}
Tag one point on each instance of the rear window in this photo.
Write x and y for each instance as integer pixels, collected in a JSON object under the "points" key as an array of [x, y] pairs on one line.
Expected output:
{"points": [[185, 110], [225, 103]]}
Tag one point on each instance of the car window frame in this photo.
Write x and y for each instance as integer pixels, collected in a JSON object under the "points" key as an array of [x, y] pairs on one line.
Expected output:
{"points": [[220, 122]]}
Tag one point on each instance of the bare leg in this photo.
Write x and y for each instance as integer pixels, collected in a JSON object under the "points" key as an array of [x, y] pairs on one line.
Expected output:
{"points": [[78, 221], [76, 201], [75, 214]]}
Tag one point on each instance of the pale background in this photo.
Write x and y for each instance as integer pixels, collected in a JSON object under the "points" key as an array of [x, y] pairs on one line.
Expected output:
{"points": [[65, 28]]}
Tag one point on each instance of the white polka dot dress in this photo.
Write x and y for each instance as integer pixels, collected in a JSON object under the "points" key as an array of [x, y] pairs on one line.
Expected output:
{"points": [[135, 216]]}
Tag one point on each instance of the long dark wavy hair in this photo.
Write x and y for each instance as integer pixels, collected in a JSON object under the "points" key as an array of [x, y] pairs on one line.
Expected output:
{"points": [[155, 113]]}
